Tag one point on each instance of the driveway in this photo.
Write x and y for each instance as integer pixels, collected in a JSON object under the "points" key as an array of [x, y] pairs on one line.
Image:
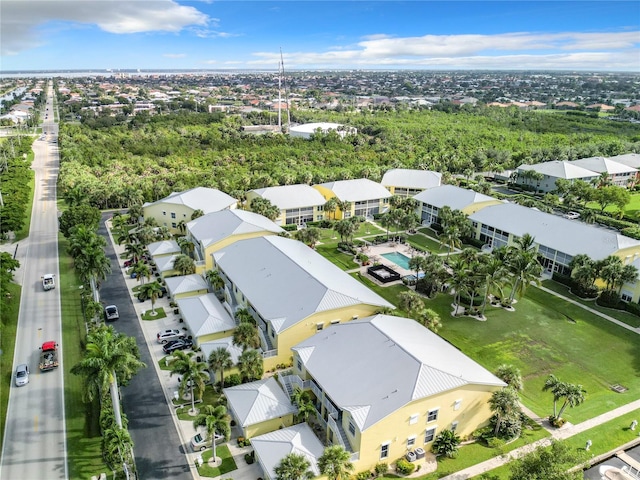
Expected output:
{"points": [[158, 450]]}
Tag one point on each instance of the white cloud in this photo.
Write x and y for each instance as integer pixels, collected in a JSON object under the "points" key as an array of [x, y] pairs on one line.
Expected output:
{"points": [[566, 50], [174, 55], [23, 20]]}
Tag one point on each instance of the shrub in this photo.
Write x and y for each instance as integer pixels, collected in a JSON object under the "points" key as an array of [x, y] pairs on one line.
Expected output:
{"points": [[446, 443], [633, 308], [610, 299], [363, 475], [633, 232], [381, 468], [404, 467], [556, 421], [495, 442], [289, 228], [250, 457], [232, 380]]}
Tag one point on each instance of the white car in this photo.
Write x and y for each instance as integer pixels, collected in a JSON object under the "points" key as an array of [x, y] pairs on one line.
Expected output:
{"points": [[198, 442], [111, 313], [168, 335], [571, 215], [22, 375]]}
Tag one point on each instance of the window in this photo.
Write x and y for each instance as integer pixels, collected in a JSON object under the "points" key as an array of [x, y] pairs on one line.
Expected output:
{"points": [[413, 419], [430, 434], [454, 426], [384, 451], [173, 225], [432, 416], [319, 326], [626, 296], [299, 364], [352, 428], [335, 322], [456, 404], [173, 214], [164, 213], [411, 441]]}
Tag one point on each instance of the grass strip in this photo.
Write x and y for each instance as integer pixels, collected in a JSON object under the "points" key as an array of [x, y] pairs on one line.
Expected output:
{"points": [[227, 463], [9, 317]]}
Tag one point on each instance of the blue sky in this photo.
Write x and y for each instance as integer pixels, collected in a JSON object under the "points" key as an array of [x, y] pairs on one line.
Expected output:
{"points": [[209, 34]]}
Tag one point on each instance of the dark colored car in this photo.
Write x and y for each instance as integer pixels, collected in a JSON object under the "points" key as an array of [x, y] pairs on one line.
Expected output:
{"points": [[174, 345]]}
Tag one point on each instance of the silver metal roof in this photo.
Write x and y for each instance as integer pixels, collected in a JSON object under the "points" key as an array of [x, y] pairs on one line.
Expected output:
{"points": [[629, 159], [185, 284], [357, 190], [567, 236], [272, 447], [292, 196], [455, 197], [560, 169], [204, 315], [200, 198], [165, 263], [164, 247], [603, 165], [374, 366], [404, 177], [226, 343], [286, 281], [216, 226], [258, 401]]}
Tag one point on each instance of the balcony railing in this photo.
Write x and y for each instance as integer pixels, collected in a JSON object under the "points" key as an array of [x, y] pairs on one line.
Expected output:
{"points": [[336, 432], [269, 353]]}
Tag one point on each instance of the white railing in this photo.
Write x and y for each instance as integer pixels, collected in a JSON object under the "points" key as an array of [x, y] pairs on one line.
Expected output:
{"points": [[355, 456], [269, 353], [316, 389], [337, 435]]}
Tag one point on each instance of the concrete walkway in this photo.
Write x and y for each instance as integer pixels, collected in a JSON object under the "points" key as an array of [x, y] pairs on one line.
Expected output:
{"points": [[566, 431]]}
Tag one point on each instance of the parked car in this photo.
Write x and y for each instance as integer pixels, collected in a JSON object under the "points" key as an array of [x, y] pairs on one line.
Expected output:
{"points": [[128, 263], [169, 335], [572, 215], [174, 345], [198, 442], [22, 375], [111, 313]]}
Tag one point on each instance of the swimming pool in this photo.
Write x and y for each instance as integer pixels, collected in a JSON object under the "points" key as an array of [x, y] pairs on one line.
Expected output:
{"points": [[398, 258]]}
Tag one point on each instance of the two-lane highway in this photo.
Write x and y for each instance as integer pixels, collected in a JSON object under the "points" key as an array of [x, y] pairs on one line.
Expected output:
{"points": [[34, 445]]}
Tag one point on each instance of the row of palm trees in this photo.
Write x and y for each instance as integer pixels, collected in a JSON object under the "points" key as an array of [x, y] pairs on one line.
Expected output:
{"points": [[334, 463], [611, 270]]}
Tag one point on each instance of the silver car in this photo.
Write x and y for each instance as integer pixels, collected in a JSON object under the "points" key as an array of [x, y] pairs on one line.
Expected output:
{"points": [[198, 442], [22, 375], [168, 335], [111, 313]]}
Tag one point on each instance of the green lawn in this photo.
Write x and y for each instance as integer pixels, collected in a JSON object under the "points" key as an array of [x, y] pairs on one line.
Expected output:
{"points": [[24, 231], [227, 464], [9, 316], [424, 242], [159, 313], [626, 317], [331, 253], [547, 335], [632, 209], [83, 432]]}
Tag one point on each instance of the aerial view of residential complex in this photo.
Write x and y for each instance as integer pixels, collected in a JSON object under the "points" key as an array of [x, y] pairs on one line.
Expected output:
{"points": [[290, 268]]}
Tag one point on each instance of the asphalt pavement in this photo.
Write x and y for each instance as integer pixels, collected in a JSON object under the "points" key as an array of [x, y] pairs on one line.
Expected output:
{"points": [[158, 449]]}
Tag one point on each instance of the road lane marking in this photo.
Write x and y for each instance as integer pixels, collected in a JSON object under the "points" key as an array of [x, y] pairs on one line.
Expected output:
{"points": [[35, 423]]}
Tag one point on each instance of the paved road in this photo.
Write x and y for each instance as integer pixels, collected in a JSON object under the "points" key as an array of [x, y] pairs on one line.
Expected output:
{"points": [[34, 438], [158, 450]]}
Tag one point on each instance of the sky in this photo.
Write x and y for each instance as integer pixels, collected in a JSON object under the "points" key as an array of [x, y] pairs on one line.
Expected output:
{"points": [[319, 35]]}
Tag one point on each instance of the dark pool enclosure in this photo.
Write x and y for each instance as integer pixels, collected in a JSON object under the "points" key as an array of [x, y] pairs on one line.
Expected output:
{"points": [[383, 274]]}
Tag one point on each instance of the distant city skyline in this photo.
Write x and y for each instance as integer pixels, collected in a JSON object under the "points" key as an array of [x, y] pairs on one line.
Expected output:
{"points": [[319, 35]]}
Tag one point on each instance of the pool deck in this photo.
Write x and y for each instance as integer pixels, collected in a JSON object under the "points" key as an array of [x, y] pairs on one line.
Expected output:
{"points": [[374, 252]]}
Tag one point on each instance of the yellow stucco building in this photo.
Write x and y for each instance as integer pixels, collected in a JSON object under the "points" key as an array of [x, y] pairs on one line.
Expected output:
{"points": [[363, 197], [298, 204], [467, 201]]}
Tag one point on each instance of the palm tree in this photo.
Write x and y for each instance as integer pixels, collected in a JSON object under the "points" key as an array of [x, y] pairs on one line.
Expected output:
{"points": [[410, 302], [109, 355], [525, 243], [430, 319], [184, 265], [197, 213], [511, 376], [150, 291], [494, 272], [220, 360], [331, 206], [526, 269], [446, 443], [345, 228], [417, 263], [451, 238], [574, 395], [214, 420], [335, 462], [142, 271], [251, 366], [194, 375], [215, 280], [557, 388], [504, 403], [293, 466], [246, 336], [116, 446], [186, 246]]}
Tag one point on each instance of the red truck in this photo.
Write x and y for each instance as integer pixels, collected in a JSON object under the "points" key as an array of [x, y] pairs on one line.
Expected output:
{"points": [[48, 356]]}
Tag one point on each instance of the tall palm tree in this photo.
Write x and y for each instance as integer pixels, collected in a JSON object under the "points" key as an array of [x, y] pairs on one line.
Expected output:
{"points": [[184, 265], [246, 336], [510, 375], [142, 272], [331, 206], [335, 462], [410, 302], [293, 466], [526, 269], [109, 355], [150, 291], [215, 280], [251, 365], [451, 238], [504, 403], [186, 246], [197, 213], [194, 374], [525, 243], [116, 446], [430, 319], [557, 388], [495, 273], [417, 263], [214, 420], [220, 360], [574, 395]]}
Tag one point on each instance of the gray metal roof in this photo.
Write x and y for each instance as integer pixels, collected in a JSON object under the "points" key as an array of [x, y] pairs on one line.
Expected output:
{"points": [[629, 159], [404, 177], [216, 226], [258, 401], [560, 169], [567, 236], [286, 281], [292, 196], [185, 284], [226, 343], [385, 363], [603, 165], [165, 263], [200, 198], [272, 447], [204, 315], [164, 247], [455, 197], [357, 190]]}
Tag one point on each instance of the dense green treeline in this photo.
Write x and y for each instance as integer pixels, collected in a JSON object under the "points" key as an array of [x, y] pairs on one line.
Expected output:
{"points": [[153, 156]]}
